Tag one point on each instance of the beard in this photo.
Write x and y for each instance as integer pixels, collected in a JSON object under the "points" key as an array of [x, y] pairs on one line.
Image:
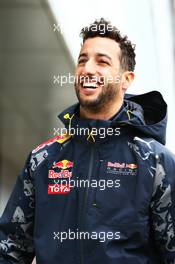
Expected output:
{"points": [[107, 95]]}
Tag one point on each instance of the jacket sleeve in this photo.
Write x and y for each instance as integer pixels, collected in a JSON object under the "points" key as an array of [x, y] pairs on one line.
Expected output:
{"points": [[163, 207], [17, 221]]}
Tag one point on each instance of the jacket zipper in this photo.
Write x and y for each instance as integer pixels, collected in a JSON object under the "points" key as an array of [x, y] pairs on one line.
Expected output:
{"points": [[83, 209], [94, 201]]}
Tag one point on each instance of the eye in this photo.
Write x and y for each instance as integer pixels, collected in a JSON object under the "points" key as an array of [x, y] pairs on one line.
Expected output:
{"points": [[103, 62], [82, 61]]}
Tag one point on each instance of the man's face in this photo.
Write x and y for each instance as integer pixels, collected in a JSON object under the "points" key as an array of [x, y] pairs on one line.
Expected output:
{"points": [[98, 73]]}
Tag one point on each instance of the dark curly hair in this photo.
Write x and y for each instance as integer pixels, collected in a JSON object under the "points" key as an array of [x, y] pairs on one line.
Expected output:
{"points": [[127, 57]]}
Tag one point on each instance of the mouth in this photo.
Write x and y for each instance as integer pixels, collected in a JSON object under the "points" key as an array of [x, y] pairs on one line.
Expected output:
{"points": [[89, 85]]}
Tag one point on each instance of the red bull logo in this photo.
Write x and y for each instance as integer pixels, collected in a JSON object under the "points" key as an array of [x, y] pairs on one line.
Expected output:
{"points": [[63, 172], [63, 164], [123, 168], [117, 165]]}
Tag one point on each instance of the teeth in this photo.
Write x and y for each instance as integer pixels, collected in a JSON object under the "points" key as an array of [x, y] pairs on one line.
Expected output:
{"points": [[90, 84]]}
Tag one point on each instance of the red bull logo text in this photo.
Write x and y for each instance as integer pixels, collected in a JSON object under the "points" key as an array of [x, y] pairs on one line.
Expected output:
{"points": [[123, 168], [61, 174], [122, 165], [63, 167]]}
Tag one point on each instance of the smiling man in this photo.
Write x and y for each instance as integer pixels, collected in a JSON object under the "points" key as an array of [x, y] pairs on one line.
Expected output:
{"points": [[90, 197], [101, 97]]}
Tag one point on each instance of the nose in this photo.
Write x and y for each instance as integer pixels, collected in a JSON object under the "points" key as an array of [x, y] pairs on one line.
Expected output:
{"points": [[89, 68]]}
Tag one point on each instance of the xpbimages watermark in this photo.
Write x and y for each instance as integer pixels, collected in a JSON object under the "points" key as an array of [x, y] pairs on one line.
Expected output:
{"points": [[59, 184], [102, 132], [102, 28], [71, 79], [84, 235]]}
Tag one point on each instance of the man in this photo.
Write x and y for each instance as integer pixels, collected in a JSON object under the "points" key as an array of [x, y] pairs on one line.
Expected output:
{"points": [[104, 191]]}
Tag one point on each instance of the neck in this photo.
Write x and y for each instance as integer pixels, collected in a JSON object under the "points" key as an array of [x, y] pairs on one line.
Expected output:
{"points": [[101, 114]]}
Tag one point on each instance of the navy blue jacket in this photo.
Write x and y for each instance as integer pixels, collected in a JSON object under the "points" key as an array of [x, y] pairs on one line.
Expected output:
{"points": [[104, 194]]}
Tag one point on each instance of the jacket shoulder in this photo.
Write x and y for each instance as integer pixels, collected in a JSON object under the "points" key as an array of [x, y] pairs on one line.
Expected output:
{"points": [[46, 149], [146, 147], [60, 139]]}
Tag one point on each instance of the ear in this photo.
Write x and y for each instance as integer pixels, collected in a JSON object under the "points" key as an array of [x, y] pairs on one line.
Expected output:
{"points": [[127, 79]]}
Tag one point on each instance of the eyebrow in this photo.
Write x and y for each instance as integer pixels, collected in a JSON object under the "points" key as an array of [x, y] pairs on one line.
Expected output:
{"points": [[97, 54], [82, 55], [104, 55]]}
